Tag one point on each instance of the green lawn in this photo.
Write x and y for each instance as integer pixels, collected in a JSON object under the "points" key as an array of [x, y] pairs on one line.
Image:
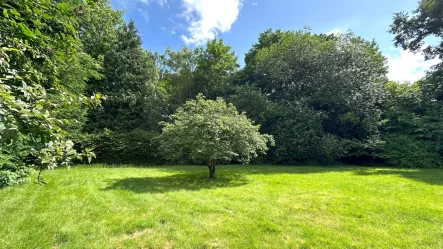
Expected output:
{"points": [[246, 207]]}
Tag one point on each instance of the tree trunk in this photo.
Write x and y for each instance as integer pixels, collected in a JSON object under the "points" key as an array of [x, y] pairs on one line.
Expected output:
{"points": [[39, 177], [211, 171]]}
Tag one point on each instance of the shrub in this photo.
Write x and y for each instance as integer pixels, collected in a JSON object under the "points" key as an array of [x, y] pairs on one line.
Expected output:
{"points": [[298, 133], [405, 151], [331, 149], [136, 147], [12, 172]]}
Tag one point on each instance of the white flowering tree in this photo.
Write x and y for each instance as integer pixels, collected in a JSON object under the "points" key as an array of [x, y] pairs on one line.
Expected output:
{"points": [[211, 131]]}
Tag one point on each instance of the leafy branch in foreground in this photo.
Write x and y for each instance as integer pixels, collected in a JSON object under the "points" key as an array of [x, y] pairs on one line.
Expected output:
{"points": [[36, 37]]}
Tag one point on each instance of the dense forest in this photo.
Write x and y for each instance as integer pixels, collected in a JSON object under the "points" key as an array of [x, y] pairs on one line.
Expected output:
{"points": [[76, 85]]}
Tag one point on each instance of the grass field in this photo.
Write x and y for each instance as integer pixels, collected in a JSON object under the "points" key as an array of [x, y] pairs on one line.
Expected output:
{"points": [[246, 207]]}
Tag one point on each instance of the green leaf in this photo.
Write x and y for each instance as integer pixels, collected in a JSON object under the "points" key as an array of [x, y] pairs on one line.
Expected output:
{"points": [[62, 6], [26, 31], [14, 12], [36, 23], [36, 11], [46, 16], [28, 9]]}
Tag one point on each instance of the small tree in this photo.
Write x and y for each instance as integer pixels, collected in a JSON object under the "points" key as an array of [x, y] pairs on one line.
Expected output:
{"points": [[209, 132]]}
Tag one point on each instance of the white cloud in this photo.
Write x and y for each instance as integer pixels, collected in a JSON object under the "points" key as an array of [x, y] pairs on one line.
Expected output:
{"points": [[160, 2], [254, 3], [163, 2], [207, 18], [407, 66], [126, 3]]}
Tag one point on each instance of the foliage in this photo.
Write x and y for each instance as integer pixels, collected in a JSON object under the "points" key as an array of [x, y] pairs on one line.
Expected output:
{"points": [[432, 104], [188, 72], [210, 132], [37, 37], [137, 146], [337, 79], [215, 66], [74, 73], [425, 112], [177, 70], [13, 171], [300, 137], [411, 138], [325, 97], [323, 72], [128, 71], [98, 25], [402, 150], [298, 132], [410, 32], [249, 99], [265, 40]]}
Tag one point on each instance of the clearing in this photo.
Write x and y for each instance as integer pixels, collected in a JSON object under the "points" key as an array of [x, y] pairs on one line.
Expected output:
{"points": [[246, 207]]}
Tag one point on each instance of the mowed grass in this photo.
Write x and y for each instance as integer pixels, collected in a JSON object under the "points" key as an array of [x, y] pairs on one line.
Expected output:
{"points": [[246, 207]]}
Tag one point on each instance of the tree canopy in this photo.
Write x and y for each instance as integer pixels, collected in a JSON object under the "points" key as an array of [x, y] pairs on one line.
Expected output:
{"points": [[410, 31], [210, 132], [75, 77]]}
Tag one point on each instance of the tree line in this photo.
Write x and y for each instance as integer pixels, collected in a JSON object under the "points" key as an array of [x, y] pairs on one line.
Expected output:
{"points": [[75, 84]]}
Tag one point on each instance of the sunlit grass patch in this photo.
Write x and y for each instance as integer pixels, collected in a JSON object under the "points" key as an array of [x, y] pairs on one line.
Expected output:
{"points": [[245, 207]]}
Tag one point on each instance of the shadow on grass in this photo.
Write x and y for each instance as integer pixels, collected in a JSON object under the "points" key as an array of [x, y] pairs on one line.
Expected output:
{"points": [[194, 178], [429, 176], [238, 169], [191, 181]]}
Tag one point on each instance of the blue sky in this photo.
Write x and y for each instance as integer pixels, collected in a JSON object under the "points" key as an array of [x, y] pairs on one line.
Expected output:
{"points": [[177, 23]]}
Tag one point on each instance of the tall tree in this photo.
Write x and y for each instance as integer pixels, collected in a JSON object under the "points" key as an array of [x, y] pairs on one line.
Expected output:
{"points": [[216, 64], [177, 70], [265, 40], [404, 128], [432, 97], [128, 70], [188, 72], [410, 31], [98, 25], [339, 77]]}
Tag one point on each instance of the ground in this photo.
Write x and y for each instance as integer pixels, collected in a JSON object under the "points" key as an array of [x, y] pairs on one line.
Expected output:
{"points": [[246, 207]]}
